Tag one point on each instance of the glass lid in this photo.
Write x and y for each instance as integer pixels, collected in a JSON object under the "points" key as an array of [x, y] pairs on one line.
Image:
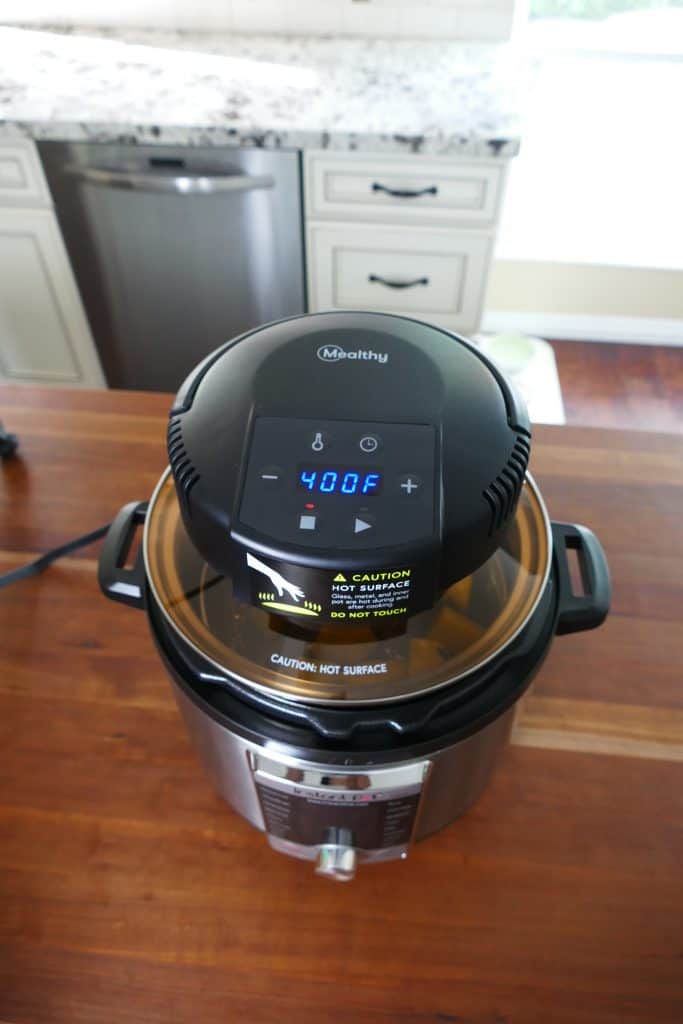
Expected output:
{"points": [[470, 623]]}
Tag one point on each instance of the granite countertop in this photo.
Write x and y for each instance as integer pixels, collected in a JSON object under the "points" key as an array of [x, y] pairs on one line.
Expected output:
{"points": [[272, 91]]}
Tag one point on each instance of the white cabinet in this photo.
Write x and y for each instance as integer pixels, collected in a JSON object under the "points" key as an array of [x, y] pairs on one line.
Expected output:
{"points": [[44, 334], [432, 274], [401, 234], [22, 182]]}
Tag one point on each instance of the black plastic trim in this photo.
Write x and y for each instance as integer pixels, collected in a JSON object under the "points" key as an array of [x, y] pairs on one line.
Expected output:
{"points": [[362, 735]]}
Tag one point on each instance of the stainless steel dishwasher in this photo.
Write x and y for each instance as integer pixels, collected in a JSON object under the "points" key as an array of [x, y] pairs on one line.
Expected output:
{"points": [[175, 250]]}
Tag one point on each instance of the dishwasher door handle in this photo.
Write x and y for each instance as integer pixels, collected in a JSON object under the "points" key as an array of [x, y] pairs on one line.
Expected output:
{"points": [[179, 184]]}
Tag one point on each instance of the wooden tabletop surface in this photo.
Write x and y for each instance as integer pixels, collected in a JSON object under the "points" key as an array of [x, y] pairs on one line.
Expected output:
{"points": [[130, 894]]}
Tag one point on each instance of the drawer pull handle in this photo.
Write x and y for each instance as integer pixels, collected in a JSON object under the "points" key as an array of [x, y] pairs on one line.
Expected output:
{"points": [[405, 193], [375, 279]]}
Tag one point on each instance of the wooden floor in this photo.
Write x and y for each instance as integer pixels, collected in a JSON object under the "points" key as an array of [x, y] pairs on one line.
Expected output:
{"points": [[634, 387]]}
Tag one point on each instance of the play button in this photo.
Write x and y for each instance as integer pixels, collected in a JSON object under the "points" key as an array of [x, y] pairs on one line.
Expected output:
{"points": [[360, 525]]}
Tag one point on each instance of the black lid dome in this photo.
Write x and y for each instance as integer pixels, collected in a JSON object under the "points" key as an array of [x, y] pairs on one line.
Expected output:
{"points": [[323, 449]]}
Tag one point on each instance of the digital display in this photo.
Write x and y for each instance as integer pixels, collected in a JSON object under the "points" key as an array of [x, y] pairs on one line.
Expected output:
{"points": [[339, 480]]}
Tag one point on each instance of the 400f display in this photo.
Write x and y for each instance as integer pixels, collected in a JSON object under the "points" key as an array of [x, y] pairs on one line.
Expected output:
{"points": [[339, 480]]}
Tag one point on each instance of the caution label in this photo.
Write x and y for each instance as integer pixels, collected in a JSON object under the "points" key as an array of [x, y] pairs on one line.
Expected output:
{"points": [[370, 595], [348, 595]]}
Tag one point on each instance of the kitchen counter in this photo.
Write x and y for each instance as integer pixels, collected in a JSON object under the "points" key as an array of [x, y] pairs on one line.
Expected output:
{"points": [[130, 892], [445, 98]]}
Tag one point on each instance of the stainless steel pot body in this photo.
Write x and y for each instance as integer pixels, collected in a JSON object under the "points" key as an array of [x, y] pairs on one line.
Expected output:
{"points": [[447, 782]]}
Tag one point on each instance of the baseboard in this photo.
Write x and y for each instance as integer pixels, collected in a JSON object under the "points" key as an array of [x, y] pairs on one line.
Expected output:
{"points": [[579, 327]]}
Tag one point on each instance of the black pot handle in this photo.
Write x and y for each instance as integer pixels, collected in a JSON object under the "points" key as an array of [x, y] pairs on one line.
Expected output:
{"points": [[589, 610], [117, 582]]}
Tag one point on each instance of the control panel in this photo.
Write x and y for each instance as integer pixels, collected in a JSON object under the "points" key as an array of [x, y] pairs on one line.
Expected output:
{"points": [[340, 484], [337, 817]]}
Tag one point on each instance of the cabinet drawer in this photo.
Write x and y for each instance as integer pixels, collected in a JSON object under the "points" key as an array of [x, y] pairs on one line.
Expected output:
{"points": [[403, 190], [22, 182], [439, 275]]}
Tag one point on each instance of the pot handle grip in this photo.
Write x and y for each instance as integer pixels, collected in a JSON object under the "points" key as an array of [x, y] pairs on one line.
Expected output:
{"points": [[590, 609], [117, 582]]}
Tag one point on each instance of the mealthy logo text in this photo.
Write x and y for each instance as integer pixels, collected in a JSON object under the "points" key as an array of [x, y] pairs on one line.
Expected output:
{"points": [[335, 354]]}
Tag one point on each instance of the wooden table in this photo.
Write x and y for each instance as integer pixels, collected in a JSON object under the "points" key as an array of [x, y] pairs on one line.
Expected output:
{"points": [[131, 894]]}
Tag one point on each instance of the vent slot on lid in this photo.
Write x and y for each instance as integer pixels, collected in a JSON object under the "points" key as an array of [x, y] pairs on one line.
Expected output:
{"points": [[184, 473], [502, 493]]}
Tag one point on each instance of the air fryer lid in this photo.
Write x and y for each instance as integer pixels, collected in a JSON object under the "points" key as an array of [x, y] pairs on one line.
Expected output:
{"points": [[474, 620], [315, 453]]}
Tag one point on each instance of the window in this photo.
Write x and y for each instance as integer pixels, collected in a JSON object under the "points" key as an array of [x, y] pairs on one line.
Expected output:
{"points": [[599, 178]]}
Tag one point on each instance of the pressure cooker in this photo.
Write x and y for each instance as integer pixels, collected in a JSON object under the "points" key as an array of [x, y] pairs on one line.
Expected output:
{"points": [[351, 578]]}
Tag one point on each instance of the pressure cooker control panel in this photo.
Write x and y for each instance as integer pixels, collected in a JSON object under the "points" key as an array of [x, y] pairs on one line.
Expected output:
{"points": [[340, 484], [339, 818]]}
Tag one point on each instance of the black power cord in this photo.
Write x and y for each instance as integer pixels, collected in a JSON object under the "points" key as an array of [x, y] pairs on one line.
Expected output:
{"points": [[37, 566], [8, 446], [8, 443]]}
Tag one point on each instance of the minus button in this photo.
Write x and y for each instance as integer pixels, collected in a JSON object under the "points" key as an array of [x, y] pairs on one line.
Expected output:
{"points": [[271, 476]]}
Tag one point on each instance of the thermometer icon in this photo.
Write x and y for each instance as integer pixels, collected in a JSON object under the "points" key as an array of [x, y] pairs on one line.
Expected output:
{"points": [[318, 443]]}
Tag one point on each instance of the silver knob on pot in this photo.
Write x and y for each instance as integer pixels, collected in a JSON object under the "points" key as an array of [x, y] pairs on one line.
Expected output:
{"points": [[337, 857]]}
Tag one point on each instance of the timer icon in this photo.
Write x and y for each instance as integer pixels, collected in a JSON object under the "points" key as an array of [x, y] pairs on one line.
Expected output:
{"points": [[369, 444]]}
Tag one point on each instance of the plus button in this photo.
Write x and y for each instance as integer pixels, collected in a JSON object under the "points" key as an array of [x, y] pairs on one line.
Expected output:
{"points": [[410, 484]]}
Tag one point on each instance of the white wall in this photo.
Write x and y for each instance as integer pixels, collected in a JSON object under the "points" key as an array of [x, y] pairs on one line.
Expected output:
{"points": [[585, 302], [570, 288], [455, 19]]}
